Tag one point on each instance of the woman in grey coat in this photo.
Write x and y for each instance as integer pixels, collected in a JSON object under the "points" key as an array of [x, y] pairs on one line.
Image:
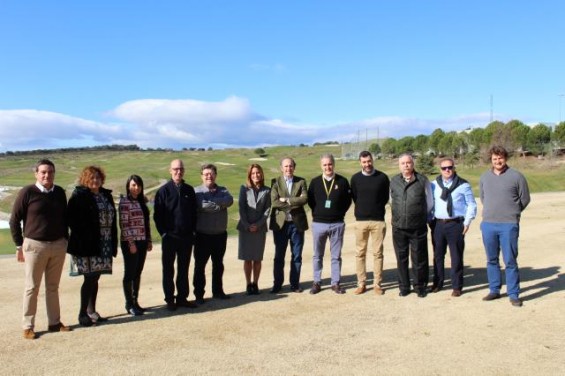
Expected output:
{"points": [[254, 208]]}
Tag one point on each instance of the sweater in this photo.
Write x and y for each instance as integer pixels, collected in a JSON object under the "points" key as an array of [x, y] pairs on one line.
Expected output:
{"points": [[339, 199], [44, 215], [370, 194], [504, 196], [212, 209]]}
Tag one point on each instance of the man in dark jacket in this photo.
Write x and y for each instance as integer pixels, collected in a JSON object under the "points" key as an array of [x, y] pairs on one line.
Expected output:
{"points": [[175, 219], [411, 203]]}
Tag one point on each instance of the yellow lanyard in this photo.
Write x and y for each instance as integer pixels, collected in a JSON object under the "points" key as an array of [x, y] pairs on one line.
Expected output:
{"points": [[328, 191]]}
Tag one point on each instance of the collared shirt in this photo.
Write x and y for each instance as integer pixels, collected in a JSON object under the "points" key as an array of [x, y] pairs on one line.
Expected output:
{"points": [[43, 189], [464, 204]]}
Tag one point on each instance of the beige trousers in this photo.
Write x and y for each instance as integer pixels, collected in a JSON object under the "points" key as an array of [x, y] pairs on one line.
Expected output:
{"points": [[42, 257], [376, 230]]}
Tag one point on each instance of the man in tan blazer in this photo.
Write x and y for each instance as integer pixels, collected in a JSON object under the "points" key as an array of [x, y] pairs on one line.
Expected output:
{"points": [[289, 194]]}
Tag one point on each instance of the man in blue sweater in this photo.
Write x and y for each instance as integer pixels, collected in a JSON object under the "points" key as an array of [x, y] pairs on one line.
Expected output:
{"points": [[504, 193]]}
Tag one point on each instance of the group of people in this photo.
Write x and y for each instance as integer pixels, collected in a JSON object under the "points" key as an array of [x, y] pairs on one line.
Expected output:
{"points": [[196, 218]]}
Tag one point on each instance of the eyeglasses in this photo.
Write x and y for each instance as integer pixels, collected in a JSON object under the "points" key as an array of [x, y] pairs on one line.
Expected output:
{"points": [[445, 168]]}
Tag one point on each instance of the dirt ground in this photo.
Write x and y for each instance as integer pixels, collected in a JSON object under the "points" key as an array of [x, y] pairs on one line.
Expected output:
{"points": [[301, 334]]}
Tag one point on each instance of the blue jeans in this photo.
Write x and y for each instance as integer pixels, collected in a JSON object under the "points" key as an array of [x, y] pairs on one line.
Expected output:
{"points": [[289, 232], [321, 232], [496, 237]]}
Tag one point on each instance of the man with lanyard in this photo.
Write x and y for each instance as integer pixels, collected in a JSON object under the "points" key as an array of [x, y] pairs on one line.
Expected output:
{"points": [[454, 209], [329, 198]]}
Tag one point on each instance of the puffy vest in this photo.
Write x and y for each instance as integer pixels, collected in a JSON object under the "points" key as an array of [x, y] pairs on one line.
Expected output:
{"points": [[408, 206]]}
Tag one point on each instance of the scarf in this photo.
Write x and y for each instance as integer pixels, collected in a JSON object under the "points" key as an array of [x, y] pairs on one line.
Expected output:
{"points": [[446, 192]]}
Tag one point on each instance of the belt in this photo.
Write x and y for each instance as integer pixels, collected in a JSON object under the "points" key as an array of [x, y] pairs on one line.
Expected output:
{"points": [[448, 220]]}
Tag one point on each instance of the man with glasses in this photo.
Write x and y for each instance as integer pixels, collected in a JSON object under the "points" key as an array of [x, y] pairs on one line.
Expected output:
{"points": [[454, 209], [175, 219], [212, 203]]}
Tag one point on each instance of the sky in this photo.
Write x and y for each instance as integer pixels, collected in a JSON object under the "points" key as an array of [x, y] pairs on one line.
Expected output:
{"points": [[183, 73]]}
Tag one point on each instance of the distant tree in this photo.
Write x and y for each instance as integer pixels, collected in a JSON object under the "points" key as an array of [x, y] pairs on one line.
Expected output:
{"points": [[425, 164], [477, 138], [558, 134], [473, 157], [519, 133], [259, 151], [375, 148], [538, 137], [435, 139], [421, 144], [389, 147], [406, 145]]}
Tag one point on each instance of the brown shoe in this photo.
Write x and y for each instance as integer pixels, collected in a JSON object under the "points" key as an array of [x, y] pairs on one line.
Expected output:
{"points": [[29, 334], [315, 288], [379, 291], [360, 290], [60, 327], [456, 293], [491, 296]]}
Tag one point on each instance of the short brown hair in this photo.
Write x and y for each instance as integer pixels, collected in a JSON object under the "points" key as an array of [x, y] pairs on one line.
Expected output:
{"points": [[498, 150], [88, 172]]}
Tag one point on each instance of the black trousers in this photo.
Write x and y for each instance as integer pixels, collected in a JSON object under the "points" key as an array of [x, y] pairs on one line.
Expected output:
{"points": [[181, 250], [133, 266], [205, 247], [448, 234], [413, 244]]}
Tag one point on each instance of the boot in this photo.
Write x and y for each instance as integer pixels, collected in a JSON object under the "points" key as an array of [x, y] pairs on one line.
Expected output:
{"points": [[135, 295]]}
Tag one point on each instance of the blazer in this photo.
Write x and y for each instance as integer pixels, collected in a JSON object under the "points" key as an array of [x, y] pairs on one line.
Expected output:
{"points": [[254, 211], [298, 198]]}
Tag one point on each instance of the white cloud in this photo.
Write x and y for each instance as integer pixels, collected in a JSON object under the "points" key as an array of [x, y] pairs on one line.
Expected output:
{"points": [[164, 123]]}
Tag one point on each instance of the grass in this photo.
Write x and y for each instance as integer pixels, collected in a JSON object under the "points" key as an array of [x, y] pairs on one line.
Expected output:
{"points": [[16, 171]]}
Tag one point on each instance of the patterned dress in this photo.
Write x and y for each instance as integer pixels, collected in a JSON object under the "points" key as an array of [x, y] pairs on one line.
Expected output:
{"points": [[102, 263]]}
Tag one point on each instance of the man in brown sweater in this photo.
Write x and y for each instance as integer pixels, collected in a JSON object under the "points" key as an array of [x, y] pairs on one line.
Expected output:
{"points": [[42, 245]]}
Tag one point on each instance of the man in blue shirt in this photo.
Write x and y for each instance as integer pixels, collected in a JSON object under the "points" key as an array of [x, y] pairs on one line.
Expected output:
{"points": [[454, 209]]}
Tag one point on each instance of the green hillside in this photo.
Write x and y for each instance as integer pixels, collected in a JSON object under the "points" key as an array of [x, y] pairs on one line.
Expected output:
{"points": [[16, 171]]}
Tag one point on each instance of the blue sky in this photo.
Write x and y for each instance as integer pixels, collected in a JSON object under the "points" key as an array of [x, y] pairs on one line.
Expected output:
{"points": [[246, 73]]}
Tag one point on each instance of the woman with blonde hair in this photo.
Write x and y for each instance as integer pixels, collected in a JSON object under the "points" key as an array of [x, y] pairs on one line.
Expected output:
{"points": [[93, 240], [254, 208]]}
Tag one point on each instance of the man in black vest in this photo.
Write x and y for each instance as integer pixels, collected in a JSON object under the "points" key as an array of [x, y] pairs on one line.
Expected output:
{"points": [[411, 203]]}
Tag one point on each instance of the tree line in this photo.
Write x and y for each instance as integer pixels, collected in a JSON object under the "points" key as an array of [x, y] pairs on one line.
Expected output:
{"points": [[514, 135]]}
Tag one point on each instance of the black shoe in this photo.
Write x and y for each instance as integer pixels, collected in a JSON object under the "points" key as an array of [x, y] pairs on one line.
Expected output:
{"points": [[134, 311], [315, 288], [435, 289], [186, 304], [250, 289], [491, 296], [222, 296], [296, 289], [171, 306], [404, 293], [84, 320], [200, 300], [275, 290], [139, 308], [422, 293], [255, 289]]}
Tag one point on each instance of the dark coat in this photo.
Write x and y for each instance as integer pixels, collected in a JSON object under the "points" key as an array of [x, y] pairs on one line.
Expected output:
{"points": [[84, 223]]}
